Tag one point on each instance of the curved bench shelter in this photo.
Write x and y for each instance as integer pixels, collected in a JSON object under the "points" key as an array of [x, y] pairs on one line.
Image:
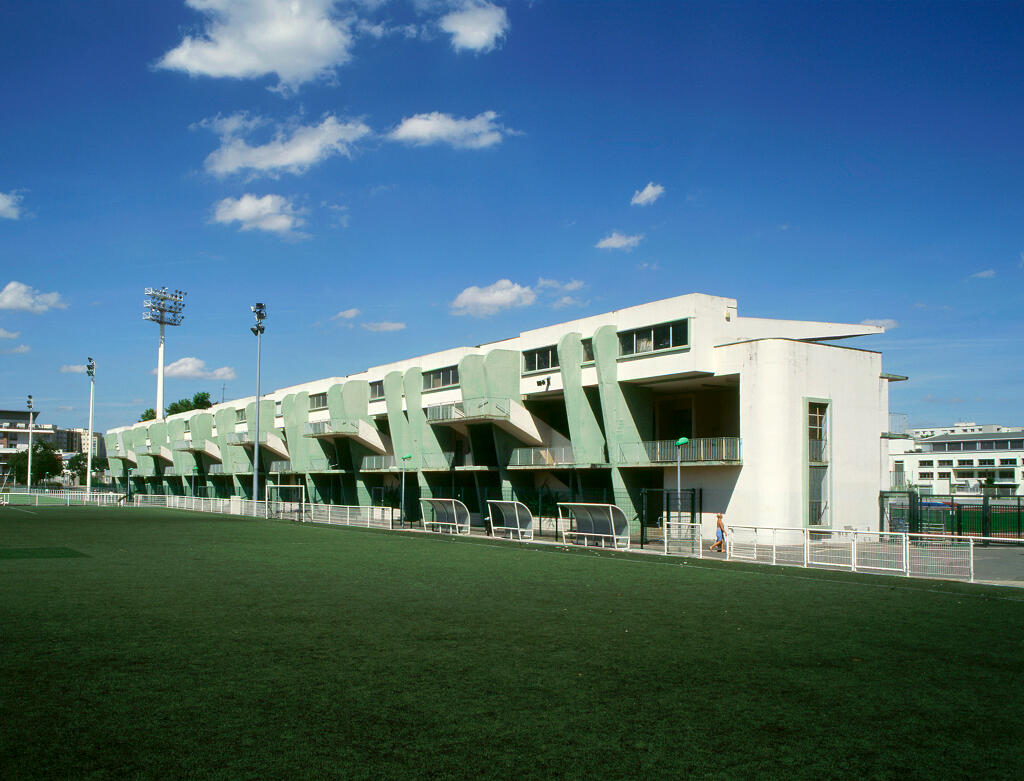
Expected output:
{"points": [[513, 519], [445, 516], [593, 524]]}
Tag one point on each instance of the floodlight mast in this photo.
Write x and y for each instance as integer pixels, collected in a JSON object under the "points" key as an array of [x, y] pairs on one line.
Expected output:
{"points": [[28, 477], [90, 369], [259, 311], [166, 307]]}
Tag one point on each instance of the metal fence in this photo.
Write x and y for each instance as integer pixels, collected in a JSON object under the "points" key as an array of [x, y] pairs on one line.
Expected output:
{"points": [[695, 450], [683, 539], [974, 516], [58, 497], [334, 514]]}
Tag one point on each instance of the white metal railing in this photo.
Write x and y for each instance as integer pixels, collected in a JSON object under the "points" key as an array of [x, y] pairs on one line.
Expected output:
{"points": [[216, 469], [916, 555], [541, 456], [67, 497], [333, 426], [244, 438], [479, 408], [281, 466], [897, 422], [377, 462], [351, 515], [696, 450], [683, 539], [336, 515]]}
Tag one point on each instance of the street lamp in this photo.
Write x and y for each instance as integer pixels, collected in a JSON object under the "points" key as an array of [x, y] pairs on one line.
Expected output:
{"points": [[194, 470], [260, 313], [166, 307], [28, 477], [90, 369], [679, 459], [401, 502]]}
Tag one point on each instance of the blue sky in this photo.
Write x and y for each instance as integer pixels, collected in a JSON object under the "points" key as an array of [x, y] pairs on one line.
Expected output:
{"points": [[461, 171]]}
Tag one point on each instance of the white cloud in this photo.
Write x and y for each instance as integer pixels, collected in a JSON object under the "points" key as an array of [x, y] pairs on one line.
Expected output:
{"points": [[986, 274], [554, 284], [484, 301], [17, 295], [293, 150], [384, 325], [648, 266], [195, 368], [346, 314], [616, 240], [883, 322], [21, 349], [4, 334], [10, 206], [273, 213], [648, 195], [437, 128], [477, 27], [75, 368], [565, 301], [297, 40]]}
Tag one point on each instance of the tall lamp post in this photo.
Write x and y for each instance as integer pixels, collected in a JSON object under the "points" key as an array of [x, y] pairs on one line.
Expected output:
{"points": [[90, 369], [401, 501], [165, 307], [679, 483], [28, 477], [260, 313]]}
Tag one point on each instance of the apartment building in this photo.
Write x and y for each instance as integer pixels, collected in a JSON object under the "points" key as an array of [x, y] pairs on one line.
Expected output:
{"points": [[14, 436], [961, 463], [785, 427]]}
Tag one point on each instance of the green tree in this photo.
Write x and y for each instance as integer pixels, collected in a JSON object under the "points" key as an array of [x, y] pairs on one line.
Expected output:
{"points": [[46, 460], [147, 414], [78, 463], [200, 400]]}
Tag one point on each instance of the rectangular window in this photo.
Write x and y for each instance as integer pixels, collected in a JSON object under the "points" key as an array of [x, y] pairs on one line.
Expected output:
{"points": [[925, 476], [965, 473], [188, 426], [965, 462], [816, 413], [929, 462], [441, 378], [317, 401], [653, 338], [1016, 444], [377, 390], [588, 350], [986, 462], [1006, 474], [943, 475], [239, 416], [988, 444], [945, 463], [1007, 462], [540, 359]]}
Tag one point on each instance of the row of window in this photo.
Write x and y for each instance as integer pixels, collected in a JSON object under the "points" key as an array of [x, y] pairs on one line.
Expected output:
{"points": [[985, 444], [970, 462], [655, 337], [441, 378], [1003, 474]]}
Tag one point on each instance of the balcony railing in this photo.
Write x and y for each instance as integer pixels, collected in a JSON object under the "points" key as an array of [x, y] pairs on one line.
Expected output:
{"points": [[665, 451], [333, 427], [216, 469], [817, 450], [897, 422], [899, 481], [281, 466], [542, 456], [371, 463], [480, 408], [244, 438]]}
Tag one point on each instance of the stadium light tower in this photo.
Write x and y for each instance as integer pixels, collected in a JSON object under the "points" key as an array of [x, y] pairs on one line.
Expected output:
{"points": [[90, 369], [28, 476], [260, 313], [166, 307]]}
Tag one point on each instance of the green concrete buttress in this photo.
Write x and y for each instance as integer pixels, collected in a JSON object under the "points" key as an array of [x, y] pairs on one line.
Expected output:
{"points": [[588, 443]]}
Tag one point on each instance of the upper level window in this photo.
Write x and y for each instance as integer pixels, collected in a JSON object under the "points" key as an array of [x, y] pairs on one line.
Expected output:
{"points": [[278, 409], [239, 416], [816, 420], [654, 337], [317, 401], [1007, 462], [188, 426], [377, 389], [926, 463], [441, 378], [540, 359], [946, 462], [588, 350]]}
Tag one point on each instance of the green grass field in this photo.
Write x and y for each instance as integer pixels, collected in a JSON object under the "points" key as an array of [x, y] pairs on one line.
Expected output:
{"points": [[155, 643]]}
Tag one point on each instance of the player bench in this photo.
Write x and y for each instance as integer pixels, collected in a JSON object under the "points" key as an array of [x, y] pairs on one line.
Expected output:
{"points": [[445, 516], [593, 524], [512, 520]]}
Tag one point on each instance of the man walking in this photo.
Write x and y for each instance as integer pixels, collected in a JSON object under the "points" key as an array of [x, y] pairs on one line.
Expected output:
{"points": [[719, 543]]}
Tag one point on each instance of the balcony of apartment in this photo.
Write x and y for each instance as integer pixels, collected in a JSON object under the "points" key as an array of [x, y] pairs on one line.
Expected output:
{"points": [[205, 446], [155, 451], [897, 427], [817, 451], [379, 463], [506, 413], [216, 469], [543, 458], [279, 467], [269, 440], [127, 456], [706, 451], [171, 472], [900, 481], [362, 432]]}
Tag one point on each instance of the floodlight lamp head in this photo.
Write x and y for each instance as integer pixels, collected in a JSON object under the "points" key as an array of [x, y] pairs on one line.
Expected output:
{"points": [[682, 441]]}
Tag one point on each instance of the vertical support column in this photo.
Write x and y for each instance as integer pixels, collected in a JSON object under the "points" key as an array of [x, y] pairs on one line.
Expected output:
{"points": [[160, 377]]}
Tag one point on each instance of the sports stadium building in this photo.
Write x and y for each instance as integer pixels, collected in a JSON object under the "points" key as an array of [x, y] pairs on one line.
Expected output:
{"points": [[784, 428]]}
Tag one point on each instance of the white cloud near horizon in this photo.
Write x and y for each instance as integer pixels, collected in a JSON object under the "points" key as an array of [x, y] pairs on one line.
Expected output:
{"points": [[476, 132], [271, 213], [648, 195], [477, 26], [883, 322], [5, 334], [74, 368], [292, 150], [21, 349], [195, 368], [383, 326], [616, 240], [10, 206], [19, 296], [296, 40], [986, 274], [489, 300]]}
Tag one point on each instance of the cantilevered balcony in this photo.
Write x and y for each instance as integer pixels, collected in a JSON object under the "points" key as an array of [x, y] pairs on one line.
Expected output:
{"points": [[508, 414], [155, 451], [362, 432], [707, 450], [281, 466], [540, 457], [382, 463], [268, 440], [216, 469], [205, 446], [127, 455]]}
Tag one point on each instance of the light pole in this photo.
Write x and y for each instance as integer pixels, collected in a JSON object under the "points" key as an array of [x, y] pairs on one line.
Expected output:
{"points": [[260, 313], [166, 307], [401, 501], [194, 470], [679, 459], [28, 477], [90, 369]]}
